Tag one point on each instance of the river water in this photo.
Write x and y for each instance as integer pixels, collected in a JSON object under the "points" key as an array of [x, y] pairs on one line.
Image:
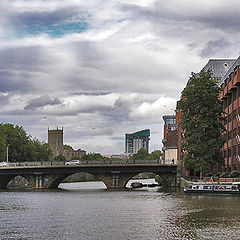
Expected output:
{"points": [[88, 211]]}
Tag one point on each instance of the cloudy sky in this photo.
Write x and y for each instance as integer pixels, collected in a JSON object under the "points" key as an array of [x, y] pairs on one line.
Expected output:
{"points": [[105, 68]]}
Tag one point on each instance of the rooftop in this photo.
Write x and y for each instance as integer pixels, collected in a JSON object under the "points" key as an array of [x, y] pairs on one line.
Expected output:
{"points": [[219, 67]]}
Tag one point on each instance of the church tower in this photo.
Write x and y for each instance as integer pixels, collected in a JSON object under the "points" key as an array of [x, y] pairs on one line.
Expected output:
{"points": [[55, 141]]}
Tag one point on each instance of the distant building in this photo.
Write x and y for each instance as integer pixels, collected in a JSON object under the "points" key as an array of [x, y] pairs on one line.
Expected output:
{"points": [[136, 141], [116, 156], [55, 143], [170, 140]]}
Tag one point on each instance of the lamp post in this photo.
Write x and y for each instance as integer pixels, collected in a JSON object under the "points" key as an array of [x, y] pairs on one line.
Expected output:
{"points": [[7, 154]]}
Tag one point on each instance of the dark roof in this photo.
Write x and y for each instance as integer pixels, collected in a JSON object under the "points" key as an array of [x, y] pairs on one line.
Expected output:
{"points": [[168, 117], [231, 69], [219, 67], [142, 133]]}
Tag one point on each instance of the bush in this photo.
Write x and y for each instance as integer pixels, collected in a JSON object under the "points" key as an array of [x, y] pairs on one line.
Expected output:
{"points": [[234, 174], [158, 179], [208, 175], [224, 175], [217, 174]]}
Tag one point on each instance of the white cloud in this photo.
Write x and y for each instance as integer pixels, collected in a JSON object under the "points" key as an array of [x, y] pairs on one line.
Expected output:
{"points": [[119, 75]]}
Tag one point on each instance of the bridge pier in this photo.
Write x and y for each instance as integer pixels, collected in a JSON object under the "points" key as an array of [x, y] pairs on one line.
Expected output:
{"points": [[169, 180], [114, 179]]}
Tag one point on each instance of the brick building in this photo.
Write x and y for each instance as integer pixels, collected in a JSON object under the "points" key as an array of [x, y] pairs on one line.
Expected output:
{"points": [[230, 95], [170, 140], [226, 74]]}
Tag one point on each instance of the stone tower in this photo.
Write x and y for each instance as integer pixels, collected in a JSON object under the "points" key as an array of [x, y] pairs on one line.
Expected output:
{"points": [[55, 141]]}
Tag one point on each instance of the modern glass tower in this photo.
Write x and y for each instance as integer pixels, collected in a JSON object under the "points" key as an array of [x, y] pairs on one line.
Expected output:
{"points": [[136, 141]]}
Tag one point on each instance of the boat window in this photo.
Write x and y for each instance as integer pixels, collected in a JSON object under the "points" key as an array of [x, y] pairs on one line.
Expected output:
{"points": [[195, 187], [206, 187], [234, 187], [190, 187]]}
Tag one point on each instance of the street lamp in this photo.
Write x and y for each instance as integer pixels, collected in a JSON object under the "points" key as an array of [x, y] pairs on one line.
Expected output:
{"points": [[7, 154]]}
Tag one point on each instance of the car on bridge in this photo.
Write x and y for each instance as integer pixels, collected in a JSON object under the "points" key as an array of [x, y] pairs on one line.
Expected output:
{"points": [[73, 162], [4, 164]]}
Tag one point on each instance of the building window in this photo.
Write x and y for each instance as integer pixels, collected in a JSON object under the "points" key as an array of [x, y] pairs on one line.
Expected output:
{"points": [[229, 152], [234, 114], [234, 94], [229, 135], [235, 71], [234, 151], [230, 117], [234, 132]]}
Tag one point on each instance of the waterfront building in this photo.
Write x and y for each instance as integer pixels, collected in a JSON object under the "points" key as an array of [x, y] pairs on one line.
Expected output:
{"points": [[230, 95], [224, 71], [136, 141], [170, 140], [55, 143]]}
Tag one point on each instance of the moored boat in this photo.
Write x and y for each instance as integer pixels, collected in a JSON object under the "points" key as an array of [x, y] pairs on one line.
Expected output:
{"points": [[213, 188]]}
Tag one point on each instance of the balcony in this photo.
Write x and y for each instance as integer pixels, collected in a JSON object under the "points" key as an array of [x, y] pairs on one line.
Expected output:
{"points": [[236, 80], [238, 138], [225, 91], [238, 118]]}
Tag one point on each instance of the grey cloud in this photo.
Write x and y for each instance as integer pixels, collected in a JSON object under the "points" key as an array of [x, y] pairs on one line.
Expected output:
{"points": [[213, 47], [22, 58], [12, 81], [41, 102], [162, 12], [4, 99]]}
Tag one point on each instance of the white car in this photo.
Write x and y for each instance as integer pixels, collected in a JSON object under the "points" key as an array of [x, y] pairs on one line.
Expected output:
{"points": [[73, 162], [4, 164]]}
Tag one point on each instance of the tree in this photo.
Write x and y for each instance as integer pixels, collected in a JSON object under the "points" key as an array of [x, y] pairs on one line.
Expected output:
{"points": [[201, 117], [22, 147], [155, 155], [59, 158], [93, 157], [140, 155]]}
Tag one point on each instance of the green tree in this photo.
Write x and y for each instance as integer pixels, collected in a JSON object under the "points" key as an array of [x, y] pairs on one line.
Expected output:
{"points": [[202, 114], [59, 158], [140, 155], [21, 146], [3, 147], [155, 155], [93, 157]]}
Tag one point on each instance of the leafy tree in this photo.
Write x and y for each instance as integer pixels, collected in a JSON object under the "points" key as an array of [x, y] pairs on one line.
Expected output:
{"points": [[65, 146], [201, 118], [59, 158], [22, 147], [140, 155], [93, 157], [155, 155]]}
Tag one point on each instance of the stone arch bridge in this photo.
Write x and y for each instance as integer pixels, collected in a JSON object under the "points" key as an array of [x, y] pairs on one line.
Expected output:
{"points": [[114, 176]]}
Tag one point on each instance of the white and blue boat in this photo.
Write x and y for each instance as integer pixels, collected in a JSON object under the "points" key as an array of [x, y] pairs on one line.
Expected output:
{"points": [[213, 188]]}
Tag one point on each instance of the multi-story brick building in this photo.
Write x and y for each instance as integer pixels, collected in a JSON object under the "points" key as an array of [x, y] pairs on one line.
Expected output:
{"points": [[170, 140], [230, 95], [222, 71]]}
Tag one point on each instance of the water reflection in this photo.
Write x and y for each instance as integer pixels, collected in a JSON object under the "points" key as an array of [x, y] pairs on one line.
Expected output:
{"points": [[89, 211]]}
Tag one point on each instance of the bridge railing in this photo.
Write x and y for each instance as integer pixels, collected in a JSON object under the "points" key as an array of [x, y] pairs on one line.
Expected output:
{"points": [[84, 162]]}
